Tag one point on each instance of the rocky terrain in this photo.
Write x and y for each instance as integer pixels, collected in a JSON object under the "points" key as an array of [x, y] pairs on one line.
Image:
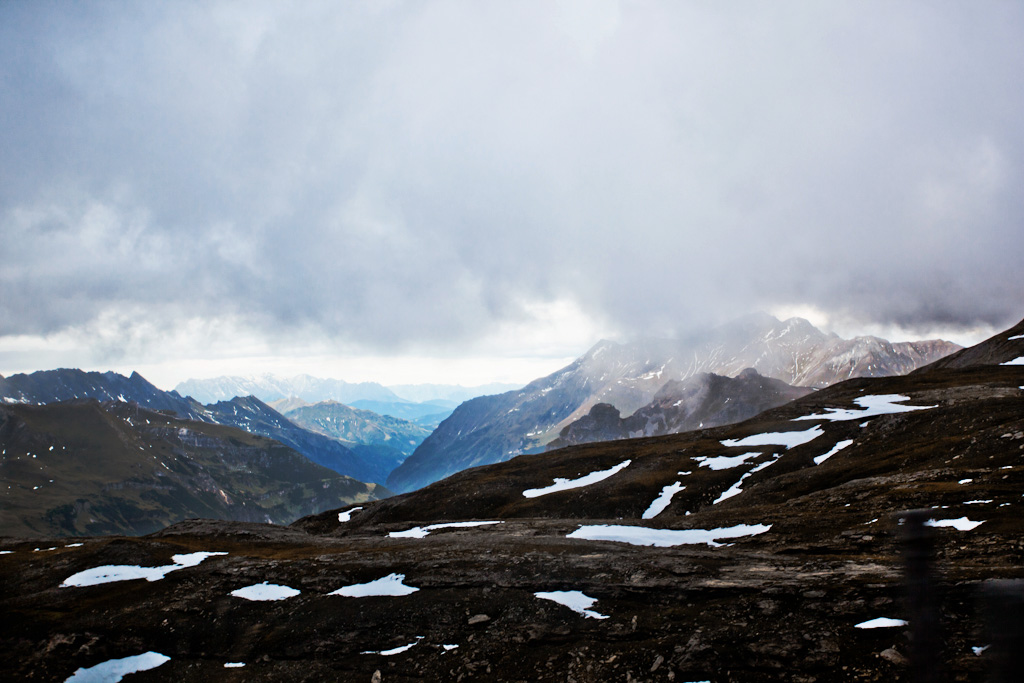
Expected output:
{"points": [[768, 550], [492, 429], [702, 401], [80, 467]]}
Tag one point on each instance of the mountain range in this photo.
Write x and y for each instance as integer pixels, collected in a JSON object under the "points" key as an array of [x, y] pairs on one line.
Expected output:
{"points": [[492, 429], [367, 462], [867, 531]]}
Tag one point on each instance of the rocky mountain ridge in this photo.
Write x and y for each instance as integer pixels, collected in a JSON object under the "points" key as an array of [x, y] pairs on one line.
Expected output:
{"points": [[702, 401], [627, 376]]}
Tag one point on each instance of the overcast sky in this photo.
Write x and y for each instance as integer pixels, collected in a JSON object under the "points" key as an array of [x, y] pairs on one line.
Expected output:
{"points": [[475, 191]]}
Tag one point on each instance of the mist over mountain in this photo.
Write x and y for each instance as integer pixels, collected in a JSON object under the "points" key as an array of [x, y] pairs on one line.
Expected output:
{"points": [[269, 388], [423, 393], [628, 376], [702, 401]]}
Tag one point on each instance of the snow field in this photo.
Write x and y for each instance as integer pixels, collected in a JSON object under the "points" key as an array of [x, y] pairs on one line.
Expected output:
{"points": [[961, 524], [835, 449], [787, 439]]}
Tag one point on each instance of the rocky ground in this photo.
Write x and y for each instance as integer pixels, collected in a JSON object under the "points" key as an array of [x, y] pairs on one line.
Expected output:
{"points": [[781, 605]]}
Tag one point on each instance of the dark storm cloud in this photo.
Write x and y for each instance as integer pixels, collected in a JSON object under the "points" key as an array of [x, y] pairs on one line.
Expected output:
{"points": [[401, 173]]}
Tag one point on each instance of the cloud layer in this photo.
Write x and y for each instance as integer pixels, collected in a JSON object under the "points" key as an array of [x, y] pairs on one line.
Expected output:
{"points": [[395, 176]]}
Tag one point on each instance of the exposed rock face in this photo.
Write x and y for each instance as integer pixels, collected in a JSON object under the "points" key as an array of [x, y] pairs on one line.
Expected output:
{"points": [[628, 376], [705, 400], [772, 586], [81, 467]]}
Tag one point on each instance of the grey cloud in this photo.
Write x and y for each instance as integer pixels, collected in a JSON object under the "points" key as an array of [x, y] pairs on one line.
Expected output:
{"points": [[395, 174]]}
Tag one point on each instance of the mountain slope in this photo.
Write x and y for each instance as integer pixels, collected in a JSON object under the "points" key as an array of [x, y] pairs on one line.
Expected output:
{"points": [[354, 426], [81, 467], [255, 416], [764, 551], [628, 376], [704, 400]]}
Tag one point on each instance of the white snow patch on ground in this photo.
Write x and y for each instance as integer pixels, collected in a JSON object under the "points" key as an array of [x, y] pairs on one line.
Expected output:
{"points": [[882, 404], [978, 650], [662, 501], [6, 552], [574, 600], [265, 591], [1019, 336], [960, 524], [787, 439], [394, 651], [585, 480], [881, 622], [1015, 361], [976, 502], [114, 670], [392, 585], [965, 481], [346, 516], [664, 538], [725, 462], [449, 648], [835, 449], [126, 572], [423, 531], [233, 665]]}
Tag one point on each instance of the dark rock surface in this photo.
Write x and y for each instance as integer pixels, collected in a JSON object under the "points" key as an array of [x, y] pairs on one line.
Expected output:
{"points": [[781, 605]]}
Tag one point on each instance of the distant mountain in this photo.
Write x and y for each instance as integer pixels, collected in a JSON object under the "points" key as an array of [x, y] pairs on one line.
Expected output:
{"points": [[49, 386], [628, 376], [354, 427], [699, 402], [427, 415], [421, 393], [271, 388], [255, 416], [85, 468]]}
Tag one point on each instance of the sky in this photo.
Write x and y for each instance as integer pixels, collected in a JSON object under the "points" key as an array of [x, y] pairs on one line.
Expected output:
{"points": [[467, 192]]}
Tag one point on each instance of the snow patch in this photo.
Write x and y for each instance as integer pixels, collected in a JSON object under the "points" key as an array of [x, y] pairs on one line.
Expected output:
{"points": [[835, 449], [423, 531], [881, 622], [663, 500], [787, 439], [574, 600], [725, 462], [881, 404], [664, 538], [585, 480], [390, 585], [960, 524], [1015, 361], [114, 670], [346, 516], [126, 572], [265, 591], [394, 651], [233, 665]]}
